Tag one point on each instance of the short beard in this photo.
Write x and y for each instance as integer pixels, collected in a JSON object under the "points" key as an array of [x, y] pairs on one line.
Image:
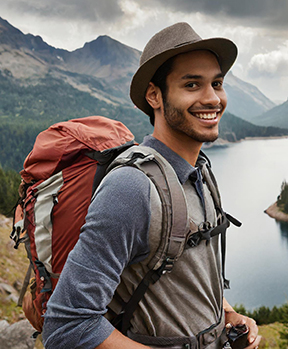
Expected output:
{"points": [[175, 118]]}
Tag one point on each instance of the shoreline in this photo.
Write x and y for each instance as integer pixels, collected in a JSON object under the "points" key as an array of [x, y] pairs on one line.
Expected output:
{"points": [[263, 138], [220, 142], [274, 212]]}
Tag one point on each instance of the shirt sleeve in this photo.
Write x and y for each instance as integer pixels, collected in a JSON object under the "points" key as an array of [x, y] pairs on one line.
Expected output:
{"points": [[115, 235]]}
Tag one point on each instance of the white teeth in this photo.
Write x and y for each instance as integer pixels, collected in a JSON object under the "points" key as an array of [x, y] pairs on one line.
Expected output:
{"points": [[206, 116]]}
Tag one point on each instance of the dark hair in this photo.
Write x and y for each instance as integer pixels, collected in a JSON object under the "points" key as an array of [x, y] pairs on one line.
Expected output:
{"points": [[159, 79]]}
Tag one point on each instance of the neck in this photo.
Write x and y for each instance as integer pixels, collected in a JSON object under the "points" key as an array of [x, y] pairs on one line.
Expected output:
{"points": [[182, 145]]}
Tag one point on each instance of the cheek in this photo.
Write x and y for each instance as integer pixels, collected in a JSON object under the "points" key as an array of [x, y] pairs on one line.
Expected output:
{"points": [[223, 97], [175, 100], [183, 100]]}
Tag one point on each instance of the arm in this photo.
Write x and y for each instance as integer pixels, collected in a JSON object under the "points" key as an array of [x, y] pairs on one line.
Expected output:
{"points": [[114, 235], [234, 318], [118, 341]]}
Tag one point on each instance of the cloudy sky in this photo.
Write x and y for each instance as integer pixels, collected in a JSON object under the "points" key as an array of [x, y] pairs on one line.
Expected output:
{"points": [[258, 27]]}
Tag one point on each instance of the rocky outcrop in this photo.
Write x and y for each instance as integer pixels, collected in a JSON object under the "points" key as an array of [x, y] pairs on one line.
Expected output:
{"points": [[17, 335], [273, 211]]}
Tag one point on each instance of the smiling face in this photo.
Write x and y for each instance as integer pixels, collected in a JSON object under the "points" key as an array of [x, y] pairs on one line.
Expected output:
{"points": [[195, 99]]}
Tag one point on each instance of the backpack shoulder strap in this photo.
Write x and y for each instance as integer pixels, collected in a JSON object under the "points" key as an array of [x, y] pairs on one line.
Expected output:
{"points": [[175, 221], [223, 218]]}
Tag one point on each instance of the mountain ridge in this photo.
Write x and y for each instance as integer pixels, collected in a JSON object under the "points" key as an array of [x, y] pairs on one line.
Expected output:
{"points": [[107, 59], [244, 99], [277, 116], [41, 85]]}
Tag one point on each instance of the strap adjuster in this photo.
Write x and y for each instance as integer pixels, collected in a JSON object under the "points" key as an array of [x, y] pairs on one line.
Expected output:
{"points": [[166, 266], [203, 233]]}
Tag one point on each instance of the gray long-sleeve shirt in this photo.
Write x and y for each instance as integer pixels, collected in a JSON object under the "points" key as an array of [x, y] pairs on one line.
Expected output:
{"points": [[116, 234]]}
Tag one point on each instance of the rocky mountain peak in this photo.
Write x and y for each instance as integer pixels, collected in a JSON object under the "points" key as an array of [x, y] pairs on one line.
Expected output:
{"points": [[110, 51]]}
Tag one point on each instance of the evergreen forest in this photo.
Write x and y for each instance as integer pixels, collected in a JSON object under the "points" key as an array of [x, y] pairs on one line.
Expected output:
{"points": [[282, 200]]}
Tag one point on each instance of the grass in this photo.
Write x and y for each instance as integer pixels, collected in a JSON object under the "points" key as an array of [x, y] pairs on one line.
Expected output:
{"points": [[271, 336], [13, 267]]}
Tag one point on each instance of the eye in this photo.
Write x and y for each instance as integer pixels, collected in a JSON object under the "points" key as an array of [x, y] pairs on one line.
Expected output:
{"points": [[191, 85], [217, 84]]}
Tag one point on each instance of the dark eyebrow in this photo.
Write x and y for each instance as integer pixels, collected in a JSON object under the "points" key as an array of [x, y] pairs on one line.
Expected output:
{"points": [[198, 77], [192, 77]]}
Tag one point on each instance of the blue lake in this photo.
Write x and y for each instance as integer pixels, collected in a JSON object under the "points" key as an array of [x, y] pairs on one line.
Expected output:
{"points": [[249, 176]]}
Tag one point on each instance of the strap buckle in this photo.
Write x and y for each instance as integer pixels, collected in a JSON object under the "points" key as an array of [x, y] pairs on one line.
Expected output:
{"points": [[166, 266], [203, 233]]}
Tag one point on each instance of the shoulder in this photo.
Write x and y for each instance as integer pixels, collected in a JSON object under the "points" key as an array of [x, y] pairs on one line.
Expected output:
{"points": [[126, 179], [122, 191]]}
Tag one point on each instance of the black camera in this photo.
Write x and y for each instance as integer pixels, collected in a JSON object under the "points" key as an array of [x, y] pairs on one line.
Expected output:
{"points": [[237, 336]]}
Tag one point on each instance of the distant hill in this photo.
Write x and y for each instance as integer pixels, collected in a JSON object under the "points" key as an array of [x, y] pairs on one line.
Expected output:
{"points": [[234, 129], [278, 116], [245, 100], [41, 85]]}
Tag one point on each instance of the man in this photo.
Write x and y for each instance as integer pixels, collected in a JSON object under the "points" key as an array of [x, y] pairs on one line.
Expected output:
{"points": [[180, 86]]}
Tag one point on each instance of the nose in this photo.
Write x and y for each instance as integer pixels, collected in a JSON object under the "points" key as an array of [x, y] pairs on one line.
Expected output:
{"points": [[210, 96]]}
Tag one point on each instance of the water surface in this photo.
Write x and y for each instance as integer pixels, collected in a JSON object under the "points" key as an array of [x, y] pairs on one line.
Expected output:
{"points": [[249, 176]]}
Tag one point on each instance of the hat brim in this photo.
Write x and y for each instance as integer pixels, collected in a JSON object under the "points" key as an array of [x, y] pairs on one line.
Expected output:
{"points": [[224, 49]]}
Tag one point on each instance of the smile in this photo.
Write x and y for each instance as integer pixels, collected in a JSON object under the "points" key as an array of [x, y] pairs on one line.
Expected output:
{"points": [[205, 115]]}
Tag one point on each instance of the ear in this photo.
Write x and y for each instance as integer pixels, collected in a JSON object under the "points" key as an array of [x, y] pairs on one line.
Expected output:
{"points": [[153, 96]]}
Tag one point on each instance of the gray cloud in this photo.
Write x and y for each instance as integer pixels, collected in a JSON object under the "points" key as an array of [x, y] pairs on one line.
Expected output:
{"points": [[254, 12], [271, 64], [89, 10]]}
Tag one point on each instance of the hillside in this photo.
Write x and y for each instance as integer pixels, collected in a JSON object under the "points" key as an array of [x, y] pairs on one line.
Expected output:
{"points": [[277, 116], [234, 129], [14, 264], [245, 100], [102, 68]]}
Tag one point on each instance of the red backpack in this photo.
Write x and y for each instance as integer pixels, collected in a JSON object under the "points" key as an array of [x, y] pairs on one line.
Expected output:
{"points": [[57, 184]]}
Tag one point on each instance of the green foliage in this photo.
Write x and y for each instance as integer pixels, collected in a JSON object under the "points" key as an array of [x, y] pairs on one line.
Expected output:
{"points": [[284, 334], [282, 201], [234, 129], [265, 315], [26, 110], [9, 183]]}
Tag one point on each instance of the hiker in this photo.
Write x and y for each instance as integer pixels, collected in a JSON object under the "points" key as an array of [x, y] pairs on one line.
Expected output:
{"points": [[179, 85]]}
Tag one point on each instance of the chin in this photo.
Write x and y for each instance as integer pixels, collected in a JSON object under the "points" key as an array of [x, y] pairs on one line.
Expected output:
{"points": [[211, 139], [205, 138]]}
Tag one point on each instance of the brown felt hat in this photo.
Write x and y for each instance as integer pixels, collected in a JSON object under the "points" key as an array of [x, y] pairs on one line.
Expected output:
{"points": [[169, 42]]}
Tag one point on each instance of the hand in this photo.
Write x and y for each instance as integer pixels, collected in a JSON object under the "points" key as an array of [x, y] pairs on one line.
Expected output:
{"points": [[238, 319]]}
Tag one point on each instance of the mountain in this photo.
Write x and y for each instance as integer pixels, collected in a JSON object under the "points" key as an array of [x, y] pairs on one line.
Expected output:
{"points": [[41, 85], [103, 68], [45, 84], [277, 116], [245, 100]]}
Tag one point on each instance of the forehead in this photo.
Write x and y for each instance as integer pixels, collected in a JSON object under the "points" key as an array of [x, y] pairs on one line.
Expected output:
{"points": [[201, 61]]}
